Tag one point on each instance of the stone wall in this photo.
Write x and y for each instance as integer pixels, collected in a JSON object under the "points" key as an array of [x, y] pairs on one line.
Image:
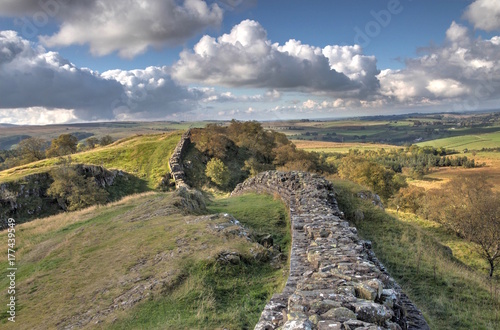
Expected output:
{"points": [[335, 280], [175, 162]]}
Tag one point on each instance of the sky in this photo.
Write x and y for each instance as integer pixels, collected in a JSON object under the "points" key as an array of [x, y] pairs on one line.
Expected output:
{"points": [[67, 61]]}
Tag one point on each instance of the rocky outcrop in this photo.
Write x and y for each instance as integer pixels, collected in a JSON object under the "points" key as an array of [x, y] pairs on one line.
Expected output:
{"points": [[27, 199], [175, 162], [335, 280]]}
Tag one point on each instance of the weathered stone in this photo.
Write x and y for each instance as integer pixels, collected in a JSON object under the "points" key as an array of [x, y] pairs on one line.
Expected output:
{"points": [[294, 315], [329, 325], [364, 291], [341, 314], [389, 297], [372, 312], [298, 325], [314, 319], [322, 306], [356, 324]]}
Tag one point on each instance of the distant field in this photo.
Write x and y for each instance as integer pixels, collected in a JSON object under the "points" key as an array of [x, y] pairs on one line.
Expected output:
{"points": [[144, 156], [471, 142], [321, 146]]}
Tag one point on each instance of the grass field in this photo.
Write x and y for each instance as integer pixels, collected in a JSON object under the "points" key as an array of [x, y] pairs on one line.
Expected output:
{"points": [[332, 147], [146, 157], [470, 142], [143, 263]]}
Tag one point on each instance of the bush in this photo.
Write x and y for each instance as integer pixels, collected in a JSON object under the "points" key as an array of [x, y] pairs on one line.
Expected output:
{"points": [[217, 172], [73, 191]]}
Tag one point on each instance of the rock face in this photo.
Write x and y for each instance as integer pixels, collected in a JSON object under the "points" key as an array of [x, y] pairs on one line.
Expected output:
{"points": [[335, 280], [175, 162], [27, 198]]}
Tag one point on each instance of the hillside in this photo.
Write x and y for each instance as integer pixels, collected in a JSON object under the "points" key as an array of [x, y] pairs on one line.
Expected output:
{"points": [[150, 261], [466, 142], [144, 156]]}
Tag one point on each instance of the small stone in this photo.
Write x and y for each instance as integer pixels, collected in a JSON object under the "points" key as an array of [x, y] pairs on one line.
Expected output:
{"points": [[377, 285], [314, 319], [364, 291], [341, 314], [298, 325], [388, 297], [372, 312], [329, 325], [293, 315]]}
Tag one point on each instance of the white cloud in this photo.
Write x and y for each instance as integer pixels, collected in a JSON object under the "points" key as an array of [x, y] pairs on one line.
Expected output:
{"points": [[126, 26], [484, 14], [34, 80], [246, 58], [151, 94], [36, 116], [33, 77], [463, 68], [212, 96]]}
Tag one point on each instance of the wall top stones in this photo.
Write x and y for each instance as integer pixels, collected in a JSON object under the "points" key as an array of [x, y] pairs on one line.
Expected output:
{"points": [[175, 161], [335, 280]]}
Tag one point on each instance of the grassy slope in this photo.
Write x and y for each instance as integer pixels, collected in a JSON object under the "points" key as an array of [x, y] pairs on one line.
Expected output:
{"points": [[450, 294], [471, 142], [79, 264], [143, 156]]}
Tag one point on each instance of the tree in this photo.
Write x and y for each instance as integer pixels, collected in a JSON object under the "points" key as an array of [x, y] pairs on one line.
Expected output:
{"points": [[217, 172], [105, 140], [73, 191], [65, 144], [380, 180], [92, 142], [31, 149], [468, 206]]}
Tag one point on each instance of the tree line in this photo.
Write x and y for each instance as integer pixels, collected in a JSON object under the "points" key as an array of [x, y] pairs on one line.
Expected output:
{"points": [[34, 149]]}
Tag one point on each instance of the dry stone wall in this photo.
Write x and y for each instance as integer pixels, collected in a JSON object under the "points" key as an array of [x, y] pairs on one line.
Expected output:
{"points": [[175, 162], [335, 280]]}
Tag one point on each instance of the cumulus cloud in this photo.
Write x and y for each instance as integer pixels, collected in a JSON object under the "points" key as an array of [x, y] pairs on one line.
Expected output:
{"points": [[126, 26], [151, 94], [269, 96], [34, 80], [246, 58], [462, 69], [33, 77], [484, 14]]}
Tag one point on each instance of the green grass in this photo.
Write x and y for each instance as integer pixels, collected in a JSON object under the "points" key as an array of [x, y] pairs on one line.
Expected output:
{"points": [[471, 142], [145, 157], [268, 218], [91, 260], [450, 294]]}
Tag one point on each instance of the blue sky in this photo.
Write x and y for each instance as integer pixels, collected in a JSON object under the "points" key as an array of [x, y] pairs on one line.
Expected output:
{"points": [[96, 60]]}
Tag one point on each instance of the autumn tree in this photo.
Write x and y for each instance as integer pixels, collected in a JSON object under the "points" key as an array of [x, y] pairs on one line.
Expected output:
{"points": [[470, 207], [73, 191], [379, 179], [65, 144], [31, 150], [410, 199]]}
